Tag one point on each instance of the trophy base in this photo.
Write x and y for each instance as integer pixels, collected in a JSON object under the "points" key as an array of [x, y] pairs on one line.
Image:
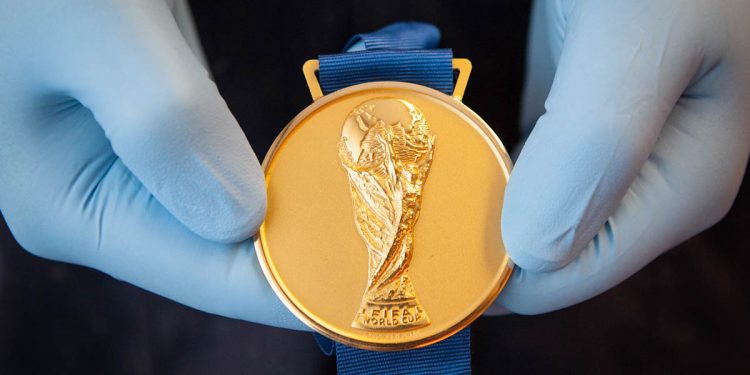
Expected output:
{"points": [[395, 315]]}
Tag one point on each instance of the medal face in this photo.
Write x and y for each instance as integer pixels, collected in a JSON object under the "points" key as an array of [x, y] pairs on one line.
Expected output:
{"points": [[383, 223]]}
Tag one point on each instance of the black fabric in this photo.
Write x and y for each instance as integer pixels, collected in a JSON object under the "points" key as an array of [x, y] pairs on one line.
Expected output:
{"points": [[686, 312]]}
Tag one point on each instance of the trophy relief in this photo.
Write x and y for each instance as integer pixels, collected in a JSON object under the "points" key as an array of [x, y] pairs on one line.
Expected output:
{"points": [[386, 149]]}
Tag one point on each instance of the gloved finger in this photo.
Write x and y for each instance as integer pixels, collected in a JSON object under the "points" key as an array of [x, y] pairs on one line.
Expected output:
{"points": [[622, 68], [542, 53], [183, 16], [152, 250], [161, 112], [69, 198], [687, 184]]}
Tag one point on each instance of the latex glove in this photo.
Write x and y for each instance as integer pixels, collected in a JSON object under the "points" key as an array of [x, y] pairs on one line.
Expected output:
{"points": [[118, 153], [642, 142]]}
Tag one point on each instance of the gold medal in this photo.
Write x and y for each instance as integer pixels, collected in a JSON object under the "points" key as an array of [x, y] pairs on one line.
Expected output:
{"points": [[384, 206]]}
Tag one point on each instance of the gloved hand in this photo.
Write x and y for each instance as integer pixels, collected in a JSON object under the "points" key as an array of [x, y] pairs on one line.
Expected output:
{"points": [[643, 142], [118, 153]]}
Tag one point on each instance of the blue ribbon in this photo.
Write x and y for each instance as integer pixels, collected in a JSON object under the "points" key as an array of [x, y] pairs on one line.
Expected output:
{"points": [[399, 52], [403, 52], [431, 68], [399, 35], [450, 356]]}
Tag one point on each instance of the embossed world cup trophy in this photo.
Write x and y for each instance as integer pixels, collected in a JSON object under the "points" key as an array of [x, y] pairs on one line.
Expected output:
{"points": [[386, 149]]}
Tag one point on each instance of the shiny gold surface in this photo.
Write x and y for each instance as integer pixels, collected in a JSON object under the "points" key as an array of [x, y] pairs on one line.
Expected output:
{"points": [[464, 70], [386, 148], [309, 68], [314, 253]]}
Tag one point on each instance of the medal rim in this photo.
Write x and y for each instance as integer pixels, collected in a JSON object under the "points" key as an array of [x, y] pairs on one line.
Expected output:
{"points": [[276, 280]]}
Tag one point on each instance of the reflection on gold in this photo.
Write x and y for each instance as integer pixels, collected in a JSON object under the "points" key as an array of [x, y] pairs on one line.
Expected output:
{"points": [[386, 148]]}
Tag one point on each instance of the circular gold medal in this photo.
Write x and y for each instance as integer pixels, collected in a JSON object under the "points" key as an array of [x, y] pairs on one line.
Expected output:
{"points": [[383, 223]]}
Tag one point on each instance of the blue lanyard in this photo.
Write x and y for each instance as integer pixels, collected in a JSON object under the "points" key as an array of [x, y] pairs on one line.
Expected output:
{"points": [[399, 52], [450, 356], [403, 51]]}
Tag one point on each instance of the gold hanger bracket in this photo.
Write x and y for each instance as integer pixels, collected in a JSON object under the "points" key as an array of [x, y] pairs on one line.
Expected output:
{"points": [[462, 65]]}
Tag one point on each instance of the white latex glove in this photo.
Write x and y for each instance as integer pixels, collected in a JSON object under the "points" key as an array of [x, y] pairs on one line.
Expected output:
{"points": [[118, 153], [642, 141]]}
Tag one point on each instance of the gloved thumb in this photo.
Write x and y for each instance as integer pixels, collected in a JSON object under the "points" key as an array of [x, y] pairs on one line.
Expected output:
{"points": [[615, 86]]}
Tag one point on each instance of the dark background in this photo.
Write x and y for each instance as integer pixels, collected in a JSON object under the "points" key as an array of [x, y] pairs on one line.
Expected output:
{"points": [[686, 312]]}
